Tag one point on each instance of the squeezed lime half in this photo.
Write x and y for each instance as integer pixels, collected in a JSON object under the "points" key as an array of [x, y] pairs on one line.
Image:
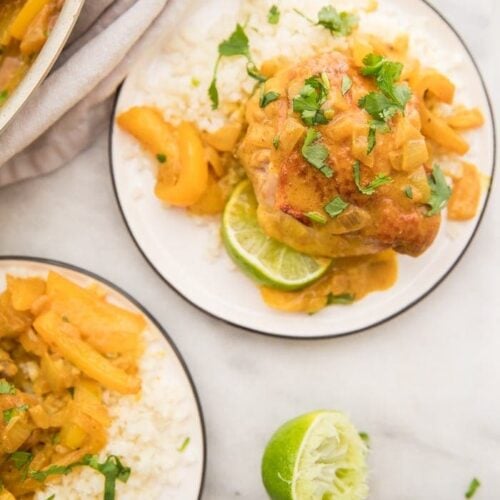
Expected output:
{"points": [[318, 456]]}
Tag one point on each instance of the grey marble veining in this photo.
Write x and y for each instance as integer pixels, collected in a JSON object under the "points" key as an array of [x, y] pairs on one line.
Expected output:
{"points": [[424, 386]]}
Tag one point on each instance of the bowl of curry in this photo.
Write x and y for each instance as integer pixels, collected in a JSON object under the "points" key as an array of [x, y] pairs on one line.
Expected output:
{"points": [[32, 34]]}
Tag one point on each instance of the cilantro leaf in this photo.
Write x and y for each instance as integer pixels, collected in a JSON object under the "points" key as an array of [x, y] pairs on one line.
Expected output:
{"points": [[6, 388], [236, 45], [9, 413], [369, 190], [346, 84], [253, 72], [392, 98], [213, 93], [184, 445], [112, 469], [365, 437], [268, 98], [3, 95], [408, 190], [161, 157], [42, 475], [337, 23], [335, 207], [20, 459], [440, 191], [316, 217], [315, 153], [311, 98], [341, 299], [473, 487], [273, 16]]}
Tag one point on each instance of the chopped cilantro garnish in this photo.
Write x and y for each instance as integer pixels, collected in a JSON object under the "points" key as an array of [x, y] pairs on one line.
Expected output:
{"points": [[53, 470], [440, 191], [408, 190], [112, 469], [337, 23], [184, 445], [369, 189], [9, 413], [273, 16], [336, 207], [392, 98], [3, 95], [316, 153], [316, 217], [346, 84], [276, 142], [311, 98], [21, 461], [365, 437], [341, 299], [473, 487], [236, 45], [6, 388], [268, 98], [162, 158]]}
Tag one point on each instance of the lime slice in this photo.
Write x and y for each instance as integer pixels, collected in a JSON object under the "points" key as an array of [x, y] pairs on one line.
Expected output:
{"points": [[318, 456], [264, 259]]}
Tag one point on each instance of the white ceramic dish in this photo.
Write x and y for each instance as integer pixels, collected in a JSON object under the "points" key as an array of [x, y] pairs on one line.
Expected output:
{"points": [[191, 476], [178, 247], [44, 62]]}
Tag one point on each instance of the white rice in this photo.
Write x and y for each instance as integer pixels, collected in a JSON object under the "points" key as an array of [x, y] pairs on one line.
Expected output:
{"points": [[146, 433], [165, 78]]}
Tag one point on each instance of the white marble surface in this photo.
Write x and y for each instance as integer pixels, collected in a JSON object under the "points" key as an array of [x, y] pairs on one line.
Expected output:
{"points": [[425, 386]]}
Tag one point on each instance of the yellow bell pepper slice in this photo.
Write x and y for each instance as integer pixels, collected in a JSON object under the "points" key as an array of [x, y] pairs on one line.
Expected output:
{"points": [[26, 15]]}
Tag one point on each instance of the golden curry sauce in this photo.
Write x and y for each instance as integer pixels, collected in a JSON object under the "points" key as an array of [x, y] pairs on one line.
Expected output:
{"points": [[348, 280], [25, 26]]}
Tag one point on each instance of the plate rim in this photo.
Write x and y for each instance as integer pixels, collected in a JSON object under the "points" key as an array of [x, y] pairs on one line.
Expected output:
{"points": [[90, 274], [356, 330]]}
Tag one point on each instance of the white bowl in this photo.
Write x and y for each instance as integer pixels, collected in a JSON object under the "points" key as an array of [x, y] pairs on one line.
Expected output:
{"points": [[44, 61]]}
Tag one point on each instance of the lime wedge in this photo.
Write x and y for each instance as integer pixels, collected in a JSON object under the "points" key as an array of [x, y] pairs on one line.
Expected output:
{"points": [[264, 259], [318, 456]]}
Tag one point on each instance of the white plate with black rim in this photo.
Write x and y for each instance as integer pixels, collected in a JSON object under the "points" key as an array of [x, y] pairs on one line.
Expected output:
{"points": [[188, 477], [180, 248]]}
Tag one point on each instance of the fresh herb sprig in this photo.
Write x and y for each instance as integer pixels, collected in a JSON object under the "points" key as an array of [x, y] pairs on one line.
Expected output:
{"points": [[335, 207], [316, 153], [6, 388], [391, 98], [273, 16], [236, 45], [337, 23], [311, 98], [440, 191], [369, 189], [473, 487], [10, 413], [267, 98]]}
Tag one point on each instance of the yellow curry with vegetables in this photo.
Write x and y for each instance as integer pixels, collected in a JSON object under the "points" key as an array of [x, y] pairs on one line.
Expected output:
{"points": [[25, 26], [61, 347], [343, 152]]}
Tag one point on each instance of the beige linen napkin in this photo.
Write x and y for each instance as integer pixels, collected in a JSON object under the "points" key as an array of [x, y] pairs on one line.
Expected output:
{"points": [[73, 105]]}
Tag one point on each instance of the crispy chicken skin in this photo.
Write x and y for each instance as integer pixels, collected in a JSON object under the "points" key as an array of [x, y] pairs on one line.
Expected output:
{"points": [[288, 187]]}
